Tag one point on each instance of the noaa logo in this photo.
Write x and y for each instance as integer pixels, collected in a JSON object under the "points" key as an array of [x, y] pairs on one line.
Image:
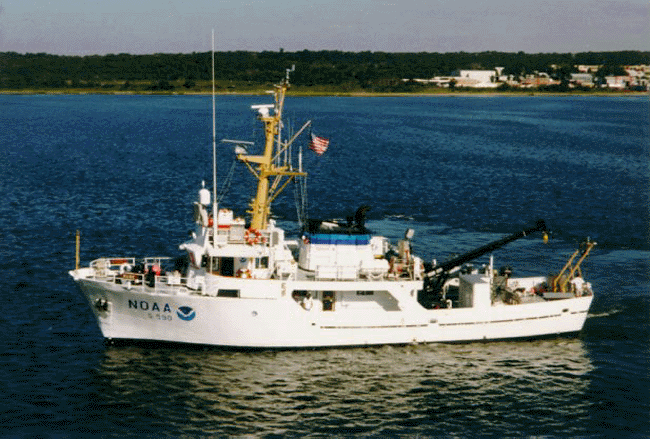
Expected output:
{"points": [[185, 313]]}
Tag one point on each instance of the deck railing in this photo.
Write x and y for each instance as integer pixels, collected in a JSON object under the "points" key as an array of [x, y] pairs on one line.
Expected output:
{"points": [[233, 235], [118, 271], [346, 273]]}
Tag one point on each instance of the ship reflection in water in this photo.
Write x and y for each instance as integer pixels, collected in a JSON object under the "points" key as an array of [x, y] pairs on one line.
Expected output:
{"points": [[466, 388]]}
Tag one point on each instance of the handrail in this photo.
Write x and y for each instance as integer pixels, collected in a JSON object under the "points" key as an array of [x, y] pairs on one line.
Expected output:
{"points": [[117, 262], [166, 283], [354, 273], [118, 271]]}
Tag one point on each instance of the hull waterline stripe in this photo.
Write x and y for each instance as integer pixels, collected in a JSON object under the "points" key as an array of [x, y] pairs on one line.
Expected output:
{"points": [[375, 327], [488, 322]]}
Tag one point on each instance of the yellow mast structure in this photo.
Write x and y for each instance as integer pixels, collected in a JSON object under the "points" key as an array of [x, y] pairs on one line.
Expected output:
{"points": [[272, 174], [561, 280]]}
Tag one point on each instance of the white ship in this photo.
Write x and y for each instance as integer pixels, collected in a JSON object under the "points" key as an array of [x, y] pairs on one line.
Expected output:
{"points": [[245, 284]]}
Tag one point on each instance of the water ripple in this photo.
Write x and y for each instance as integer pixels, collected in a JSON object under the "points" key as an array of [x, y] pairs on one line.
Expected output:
{"points": [[349, 391]]}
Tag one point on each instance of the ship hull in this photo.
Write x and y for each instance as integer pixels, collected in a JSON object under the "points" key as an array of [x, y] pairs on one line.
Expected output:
{"points": [[275, 320]]}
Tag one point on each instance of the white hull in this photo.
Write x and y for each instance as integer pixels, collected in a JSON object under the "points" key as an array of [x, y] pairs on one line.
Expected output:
{"points": [[275, 320]]}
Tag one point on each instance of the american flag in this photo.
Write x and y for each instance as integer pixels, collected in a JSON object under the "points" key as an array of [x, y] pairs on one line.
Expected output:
{"points": [[318, 144]]}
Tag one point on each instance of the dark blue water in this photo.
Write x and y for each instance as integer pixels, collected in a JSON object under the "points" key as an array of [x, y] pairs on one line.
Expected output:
{"points": [[460, 171]]}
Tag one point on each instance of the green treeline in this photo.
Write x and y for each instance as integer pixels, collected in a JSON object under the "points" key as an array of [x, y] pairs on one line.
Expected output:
{"points": [[318, 70]]}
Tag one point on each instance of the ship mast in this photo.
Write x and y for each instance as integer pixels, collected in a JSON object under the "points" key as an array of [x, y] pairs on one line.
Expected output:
{"points": [[214, 150], [272, 176]]}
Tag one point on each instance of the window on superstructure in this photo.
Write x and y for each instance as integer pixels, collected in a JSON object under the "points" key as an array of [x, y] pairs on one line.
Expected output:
{"points": [[262, 262], [299, 295], [213, 265], [228, 293], [329, 298], [227, 266]]}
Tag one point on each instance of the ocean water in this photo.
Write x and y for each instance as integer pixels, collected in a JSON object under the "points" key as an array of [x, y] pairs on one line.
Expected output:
{"points": [[460, 171]]}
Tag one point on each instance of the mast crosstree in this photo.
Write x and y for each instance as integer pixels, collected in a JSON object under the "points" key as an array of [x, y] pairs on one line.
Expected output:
{"points": [[272, 175]]}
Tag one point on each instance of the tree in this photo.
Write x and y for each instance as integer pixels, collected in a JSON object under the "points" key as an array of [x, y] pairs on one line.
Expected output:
{"points": [[370, 70], [610, 70]]}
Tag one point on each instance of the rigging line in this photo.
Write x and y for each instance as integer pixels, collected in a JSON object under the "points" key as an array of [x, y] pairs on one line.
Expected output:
{"points": [[303, 180], [289, 142], [296, 198], [288, 156], [296, 192], [225, 187], [305, 200], [300, 199]]}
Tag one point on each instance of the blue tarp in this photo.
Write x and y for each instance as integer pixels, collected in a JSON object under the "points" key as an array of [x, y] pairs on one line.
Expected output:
{"points": [[323, 238]]}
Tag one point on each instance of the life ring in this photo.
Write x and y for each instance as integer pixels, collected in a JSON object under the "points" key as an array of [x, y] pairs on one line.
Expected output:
{"points": [[253, 236]]}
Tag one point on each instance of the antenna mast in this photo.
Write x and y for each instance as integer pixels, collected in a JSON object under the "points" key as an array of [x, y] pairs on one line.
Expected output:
{"points": [[214, 149], [268, 166]]}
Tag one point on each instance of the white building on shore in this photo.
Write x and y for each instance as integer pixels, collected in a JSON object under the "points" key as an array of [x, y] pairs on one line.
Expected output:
{"points": [[466, 78], [637, 78], [477, 78]]}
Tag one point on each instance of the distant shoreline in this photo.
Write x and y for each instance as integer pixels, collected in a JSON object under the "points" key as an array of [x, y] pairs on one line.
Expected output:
{"points": [[299, 93]]}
